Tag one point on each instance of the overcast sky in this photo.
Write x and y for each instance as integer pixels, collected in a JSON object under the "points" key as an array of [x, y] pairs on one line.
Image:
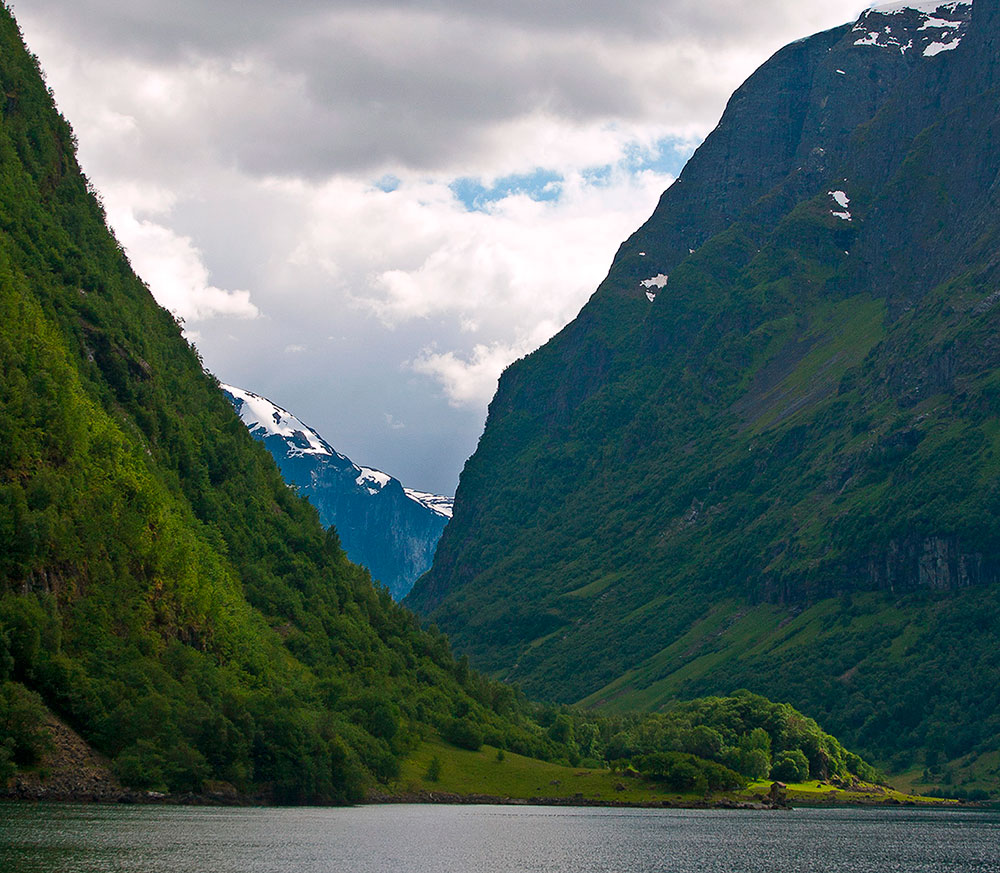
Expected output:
{"points": [[365, 209]]}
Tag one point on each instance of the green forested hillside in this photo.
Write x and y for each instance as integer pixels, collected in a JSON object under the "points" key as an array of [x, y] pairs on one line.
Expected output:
{"points": [[161, 589], [782, 472]]}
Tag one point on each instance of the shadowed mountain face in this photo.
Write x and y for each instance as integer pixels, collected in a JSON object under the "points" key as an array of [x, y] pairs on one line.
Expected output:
{"points": [[391, 530], [766, 453]]}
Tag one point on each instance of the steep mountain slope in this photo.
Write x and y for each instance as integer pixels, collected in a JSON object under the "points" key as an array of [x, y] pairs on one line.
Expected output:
{"points": [[166, 596], [391, 530], [161, 589], [766, 453]]}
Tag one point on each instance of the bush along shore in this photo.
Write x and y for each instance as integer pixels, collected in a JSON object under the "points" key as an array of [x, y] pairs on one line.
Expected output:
{"points": [[439, 772], [671, 760]]}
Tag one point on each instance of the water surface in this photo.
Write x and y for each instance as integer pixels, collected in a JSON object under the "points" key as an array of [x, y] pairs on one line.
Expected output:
{"points": [[485, 839]]}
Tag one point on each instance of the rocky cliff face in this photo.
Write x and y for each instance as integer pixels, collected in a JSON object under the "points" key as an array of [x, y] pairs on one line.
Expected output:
{"points": [[391, 530], [786, 390]]}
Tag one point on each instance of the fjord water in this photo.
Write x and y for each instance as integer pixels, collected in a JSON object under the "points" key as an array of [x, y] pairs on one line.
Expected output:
{"points": [[483, 839]]}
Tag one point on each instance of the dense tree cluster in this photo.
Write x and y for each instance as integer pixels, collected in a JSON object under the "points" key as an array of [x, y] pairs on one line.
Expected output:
{"points": [[725, 741]]}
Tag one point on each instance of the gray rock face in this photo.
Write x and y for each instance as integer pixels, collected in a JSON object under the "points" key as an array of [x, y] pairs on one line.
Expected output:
{"points": [[391, 530], [935, 563]]}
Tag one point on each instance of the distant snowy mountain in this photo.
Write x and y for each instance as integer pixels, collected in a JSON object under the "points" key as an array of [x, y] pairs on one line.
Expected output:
{"points": [[391, 530], [434, 502]]}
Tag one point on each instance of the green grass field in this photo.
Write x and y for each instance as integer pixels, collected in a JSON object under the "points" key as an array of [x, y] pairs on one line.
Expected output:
{"points": [[465, 773]]}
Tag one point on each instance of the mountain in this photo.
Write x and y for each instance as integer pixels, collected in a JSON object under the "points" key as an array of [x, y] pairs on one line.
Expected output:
{"points": [[173, 617], [767, 451], [163, 593], [391, 530]]}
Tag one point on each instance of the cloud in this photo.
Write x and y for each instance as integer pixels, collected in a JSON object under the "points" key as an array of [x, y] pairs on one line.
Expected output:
{"points": [[173, 30], [173, 268], [375, 172], [495, 282], [471, 379], [312, 89]]}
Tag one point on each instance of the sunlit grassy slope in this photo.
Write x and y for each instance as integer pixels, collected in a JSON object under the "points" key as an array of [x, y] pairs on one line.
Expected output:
{"points": [[513, 777]]}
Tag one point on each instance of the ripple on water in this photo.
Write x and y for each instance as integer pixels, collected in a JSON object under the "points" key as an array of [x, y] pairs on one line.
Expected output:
{"points": [[484, 839]]}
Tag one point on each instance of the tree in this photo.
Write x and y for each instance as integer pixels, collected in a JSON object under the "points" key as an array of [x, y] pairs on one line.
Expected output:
{"points": [[755, 763], [22, 724], [7, 766], [433, 773], [463, 733], [791, 766], [752, 756], [703, 742], [588, 740], [561, 731]]}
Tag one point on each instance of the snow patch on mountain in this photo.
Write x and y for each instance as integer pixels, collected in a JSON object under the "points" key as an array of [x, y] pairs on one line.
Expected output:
{"points": [[917, 24], [935, 48], [372, 480], [843, 201], [925, 6], [658, 282], [939, 24]]}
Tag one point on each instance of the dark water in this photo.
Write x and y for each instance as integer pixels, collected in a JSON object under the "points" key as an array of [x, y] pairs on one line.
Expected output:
{"points": [[450, 839]]}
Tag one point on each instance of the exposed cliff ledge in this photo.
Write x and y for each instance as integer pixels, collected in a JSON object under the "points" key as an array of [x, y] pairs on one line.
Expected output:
{"points": [[904, 566], [936, 563]]}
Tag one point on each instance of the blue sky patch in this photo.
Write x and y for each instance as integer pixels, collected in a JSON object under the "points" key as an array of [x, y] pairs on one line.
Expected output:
{"points": [[669, 155], [599, 177], [541, 185], [388, 183]]}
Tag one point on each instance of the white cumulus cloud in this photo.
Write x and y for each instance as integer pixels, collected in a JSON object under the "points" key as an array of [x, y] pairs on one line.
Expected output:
{"points": [[170, 263], [469, 379]]}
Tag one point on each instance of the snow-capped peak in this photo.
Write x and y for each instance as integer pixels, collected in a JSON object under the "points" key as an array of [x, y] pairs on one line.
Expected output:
{"points": [[443, 506], [264, 419], [373, 481]]}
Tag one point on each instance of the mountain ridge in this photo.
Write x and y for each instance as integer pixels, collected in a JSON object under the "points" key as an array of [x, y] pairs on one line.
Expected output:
{"points": [[720, 486], [168, 601], [388, 528]]}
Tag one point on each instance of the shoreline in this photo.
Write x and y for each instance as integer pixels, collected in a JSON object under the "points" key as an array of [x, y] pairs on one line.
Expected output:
{"points": [[35, 795]]}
